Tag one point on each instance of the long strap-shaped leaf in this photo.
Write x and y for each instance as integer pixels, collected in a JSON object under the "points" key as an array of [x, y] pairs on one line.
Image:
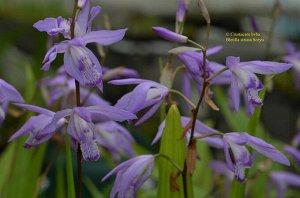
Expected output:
{"points": [[174, 147]]}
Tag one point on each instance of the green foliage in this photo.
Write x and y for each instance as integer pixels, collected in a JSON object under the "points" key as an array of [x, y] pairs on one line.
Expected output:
{"points": [[173, 146]]}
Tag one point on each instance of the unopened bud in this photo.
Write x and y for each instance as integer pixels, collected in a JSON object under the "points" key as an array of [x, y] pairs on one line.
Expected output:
{"points": [[169, 35], [204, 11], [81, 3]]}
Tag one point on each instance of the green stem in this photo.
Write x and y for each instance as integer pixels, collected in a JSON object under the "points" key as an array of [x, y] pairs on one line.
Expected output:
{"points": [[184, 97], [70, 176], [275, 14], [196, 44], [208, 135], [217, 74], [177, 70], [79, 155]]}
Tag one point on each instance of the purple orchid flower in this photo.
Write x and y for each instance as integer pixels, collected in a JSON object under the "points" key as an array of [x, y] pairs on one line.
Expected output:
{"points": [[200, 129], [244, 79], [82, 129], [282, 180], [7, 94], [293, 57], [35, 126], [131, 175], [241, 159], [193, 62], [115, 138], [295, 153], [169, 35], [79, 61], [62, 88], [146, 94]]}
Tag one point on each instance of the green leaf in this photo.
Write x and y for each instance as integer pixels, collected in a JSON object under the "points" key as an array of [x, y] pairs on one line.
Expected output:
{"points": [[30, 83], [25, 166], [237, 189], [92, 188], [173, 146], [6, 161], [59, 180], [69, 163]]}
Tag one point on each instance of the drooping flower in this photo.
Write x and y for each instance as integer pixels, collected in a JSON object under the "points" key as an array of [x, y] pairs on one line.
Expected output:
{"points": [[169, 35], [82, 129], [79, 61], [200, 129], [146, 94], [282, 180], [243, 79], [293, 57], [131, 175], [115, 138], [7, 94], [241, 158], [36, 125]]}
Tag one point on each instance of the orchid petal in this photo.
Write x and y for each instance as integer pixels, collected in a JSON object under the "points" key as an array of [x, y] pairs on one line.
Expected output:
{"points": [[106, 112], [148, 114], [232, 61], [9, 93], [267, 150], [104, 37], [36, 109], [234, 94], [93, 13], [51, 54], [128, 81]]}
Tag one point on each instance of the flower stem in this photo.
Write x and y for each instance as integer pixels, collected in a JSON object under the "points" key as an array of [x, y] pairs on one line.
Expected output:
{"points": [[196, 110], [70, 177], [208, 135], [177, 70], [79, 154], [196, 44], [275, 14], [216, 74], [184, 97]]}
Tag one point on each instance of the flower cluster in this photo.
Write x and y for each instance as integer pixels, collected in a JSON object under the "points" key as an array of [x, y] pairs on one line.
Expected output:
{"points": [[91, 121]]}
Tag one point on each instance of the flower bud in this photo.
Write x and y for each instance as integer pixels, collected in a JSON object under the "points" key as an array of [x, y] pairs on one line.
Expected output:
{"points": [[169, 35], [81, 3]]}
